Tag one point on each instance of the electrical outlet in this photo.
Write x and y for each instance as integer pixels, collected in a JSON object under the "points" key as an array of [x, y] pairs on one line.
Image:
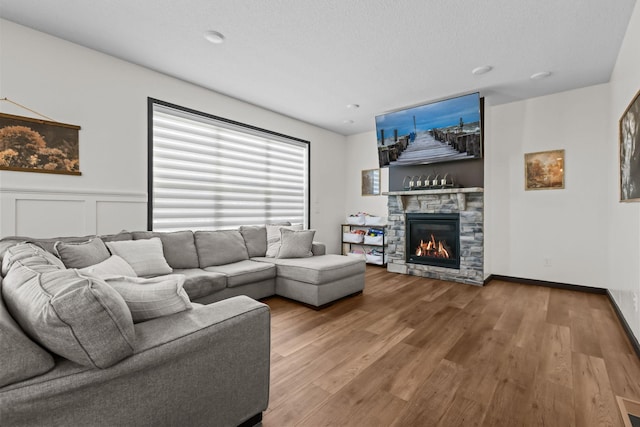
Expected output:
{"points": [[547, 262]]}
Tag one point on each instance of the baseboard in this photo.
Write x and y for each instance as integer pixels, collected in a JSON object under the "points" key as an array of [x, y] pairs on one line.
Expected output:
{"points": [[601, 291], [632, 339], [257, 418], [556, 285]]}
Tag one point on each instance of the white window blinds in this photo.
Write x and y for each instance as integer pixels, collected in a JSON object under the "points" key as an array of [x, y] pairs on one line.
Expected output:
{"points": [[210, 174]]}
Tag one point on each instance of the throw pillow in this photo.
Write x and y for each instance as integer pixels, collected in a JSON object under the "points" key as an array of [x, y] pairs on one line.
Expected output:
{"points": [[145, 256], [296, 244], [273, 237], [255, 238], [112, 266], [80, 255], [154, 297], [220, 247], [31, 254], [179, 247], [80, 318]]}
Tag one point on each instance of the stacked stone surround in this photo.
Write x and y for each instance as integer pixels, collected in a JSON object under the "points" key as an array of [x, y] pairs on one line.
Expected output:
{"points": [[468, 202]]}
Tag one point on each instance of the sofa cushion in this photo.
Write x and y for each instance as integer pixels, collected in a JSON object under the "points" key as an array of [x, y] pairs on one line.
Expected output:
{"points": [[32, 255], [83, 254], [255, 239], [199, 283], [20, 357], [145, 256], [112, 266], [220, 247], [79, 317], [317, 270], [244, 272], [179, 247], [48, 244], [118, 237], [296, 244], [153, 297]]}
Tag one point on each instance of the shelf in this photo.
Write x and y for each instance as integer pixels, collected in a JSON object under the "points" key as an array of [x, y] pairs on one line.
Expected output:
{"points": [[379, 242]]}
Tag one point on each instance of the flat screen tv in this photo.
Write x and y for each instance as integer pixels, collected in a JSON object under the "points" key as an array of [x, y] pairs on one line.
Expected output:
{"points": [[442, 131]]}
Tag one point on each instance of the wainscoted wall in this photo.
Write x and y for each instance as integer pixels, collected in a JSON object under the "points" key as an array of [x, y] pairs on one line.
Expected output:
{"points": [[58, 212]]}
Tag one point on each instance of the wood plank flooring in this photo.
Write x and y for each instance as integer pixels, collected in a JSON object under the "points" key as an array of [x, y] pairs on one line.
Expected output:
{"points": [[413, 351]]}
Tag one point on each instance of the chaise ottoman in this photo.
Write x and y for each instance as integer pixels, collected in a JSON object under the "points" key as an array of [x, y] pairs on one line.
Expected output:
{"points": [[318, 280]]}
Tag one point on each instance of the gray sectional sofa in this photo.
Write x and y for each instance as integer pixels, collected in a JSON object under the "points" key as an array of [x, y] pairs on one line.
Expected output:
{"points": [[82, 347]]}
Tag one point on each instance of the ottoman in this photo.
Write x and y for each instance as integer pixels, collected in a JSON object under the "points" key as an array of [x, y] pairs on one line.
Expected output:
{"points": [[318, 280]]}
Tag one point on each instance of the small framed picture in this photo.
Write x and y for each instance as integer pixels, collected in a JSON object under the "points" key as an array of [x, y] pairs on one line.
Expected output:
{"points": [[544, 170], [371, 182], [630, 152]]}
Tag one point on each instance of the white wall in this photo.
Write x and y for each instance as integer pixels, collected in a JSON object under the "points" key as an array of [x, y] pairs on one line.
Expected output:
{"points": [[361, 154], [624, 218], [107, 97]]}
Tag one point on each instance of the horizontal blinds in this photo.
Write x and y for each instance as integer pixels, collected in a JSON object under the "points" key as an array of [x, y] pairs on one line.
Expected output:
{"points": [[209, 174]]}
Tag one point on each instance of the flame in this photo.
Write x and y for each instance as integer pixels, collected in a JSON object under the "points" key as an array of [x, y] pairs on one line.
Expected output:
{"points": [[431, 248]]}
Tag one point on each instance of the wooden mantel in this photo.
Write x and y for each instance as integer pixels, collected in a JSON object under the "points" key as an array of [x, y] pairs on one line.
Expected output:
{"points": [[460, 192]]}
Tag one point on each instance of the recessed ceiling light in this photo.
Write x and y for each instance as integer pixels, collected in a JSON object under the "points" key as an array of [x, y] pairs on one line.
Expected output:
{"points": [[481, 70], [214, 37], [348, 122], [540, 75], [353, 106]]}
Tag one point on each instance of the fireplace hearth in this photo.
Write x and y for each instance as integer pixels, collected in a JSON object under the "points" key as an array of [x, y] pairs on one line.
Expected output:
{"points": [[433, 239]]}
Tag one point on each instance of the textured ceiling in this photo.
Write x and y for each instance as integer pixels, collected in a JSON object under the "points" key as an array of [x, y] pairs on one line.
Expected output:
{"points": [[309, 59]]}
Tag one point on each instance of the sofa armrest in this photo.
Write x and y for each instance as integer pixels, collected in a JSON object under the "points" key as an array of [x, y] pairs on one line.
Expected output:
{"points": [[318, 248], [188, 368]]}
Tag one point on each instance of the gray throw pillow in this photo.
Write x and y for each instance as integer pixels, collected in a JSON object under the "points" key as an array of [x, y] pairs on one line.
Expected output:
{"points": [[255, 238], [145, 256], [80, 255], [296, 244], [220, 247]]}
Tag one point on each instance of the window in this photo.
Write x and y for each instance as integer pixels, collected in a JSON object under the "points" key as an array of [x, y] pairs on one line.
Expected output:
{"points": [[209, 173]]}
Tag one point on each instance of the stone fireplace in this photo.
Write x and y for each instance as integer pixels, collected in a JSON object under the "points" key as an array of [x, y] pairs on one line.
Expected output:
{"points": [[437, 234]]}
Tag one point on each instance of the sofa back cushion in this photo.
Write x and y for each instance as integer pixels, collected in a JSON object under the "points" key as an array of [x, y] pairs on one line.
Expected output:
{"points": [[30, 255], [179, 247], [77, 317], [255, 239], [83, 254], [21, 358], [220, 247]]}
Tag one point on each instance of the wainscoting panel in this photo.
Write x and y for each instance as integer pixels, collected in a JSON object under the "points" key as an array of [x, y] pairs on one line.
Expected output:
{"points": [[115, 216], [57, 212]]}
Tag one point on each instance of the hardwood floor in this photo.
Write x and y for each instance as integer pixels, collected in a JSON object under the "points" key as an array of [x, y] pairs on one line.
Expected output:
{"points": [[412, 351]]}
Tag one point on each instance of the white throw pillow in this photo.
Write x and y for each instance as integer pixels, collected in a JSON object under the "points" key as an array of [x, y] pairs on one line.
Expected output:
{"points": [[145, 256], [153, 297], [112, 266]]}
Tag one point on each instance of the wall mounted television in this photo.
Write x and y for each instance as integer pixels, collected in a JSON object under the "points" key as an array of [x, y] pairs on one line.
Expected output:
{"points": [[442, 131]]}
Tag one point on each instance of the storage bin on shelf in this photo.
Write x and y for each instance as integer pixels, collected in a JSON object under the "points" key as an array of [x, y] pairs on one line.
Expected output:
{"points": [[374, 220], [376, 258], [356, 220], [352, 237], [373, 240]]}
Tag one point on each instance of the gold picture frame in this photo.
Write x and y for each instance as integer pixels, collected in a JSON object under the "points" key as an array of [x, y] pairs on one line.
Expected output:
{"points": [[371, 182], [34, 145], [629, 151], [544, 170]]}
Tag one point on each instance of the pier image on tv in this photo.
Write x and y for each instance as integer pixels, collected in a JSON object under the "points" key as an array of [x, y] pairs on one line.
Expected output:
{"points": [[442, 131]]}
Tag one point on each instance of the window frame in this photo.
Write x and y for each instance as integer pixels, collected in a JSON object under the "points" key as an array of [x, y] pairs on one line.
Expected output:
{"points": [[153, 101]]}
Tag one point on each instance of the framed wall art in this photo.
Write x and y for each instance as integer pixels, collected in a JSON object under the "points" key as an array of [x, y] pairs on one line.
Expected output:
{"points": [[544, 170], [34, 145], [629, 135], [371, 182]]}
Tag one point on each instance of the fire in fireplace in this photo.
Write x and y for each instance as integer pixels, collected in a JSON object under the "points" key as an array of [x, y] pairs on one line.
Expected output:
{"points": [[433, 239]]}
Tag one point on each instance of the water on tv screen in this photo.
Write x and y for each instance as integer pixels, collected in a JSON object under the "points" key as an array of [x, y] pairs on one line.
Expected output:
{"points": [[442, 131]]}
